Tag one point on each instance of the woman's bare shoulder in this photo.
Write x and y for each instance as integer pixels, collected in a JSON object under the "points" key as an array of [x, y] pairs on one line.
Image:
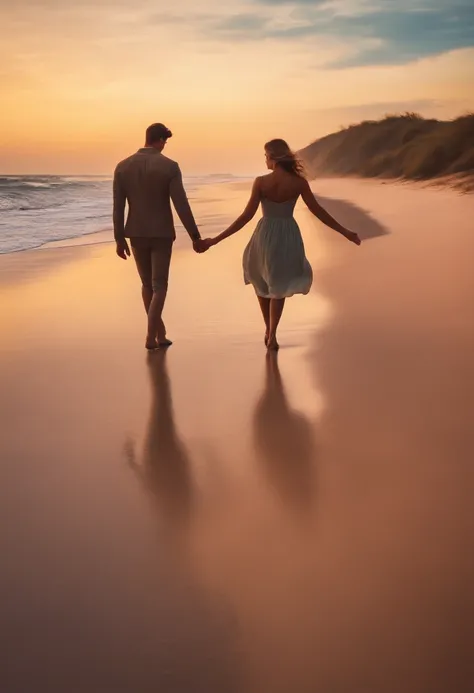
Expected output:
{"points": [[257, 184], [263, 180], [303, 183], [285, 186]]}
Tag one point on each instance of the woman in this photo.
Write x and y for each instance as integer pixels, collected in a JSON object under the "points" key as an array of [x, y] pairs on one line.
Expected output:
{"points": [[274, 260]]}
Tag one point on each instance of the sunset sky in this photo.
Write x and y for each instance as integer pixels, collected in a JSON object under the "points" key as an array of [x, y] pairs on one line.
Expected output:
{"points": [[82, 79]]}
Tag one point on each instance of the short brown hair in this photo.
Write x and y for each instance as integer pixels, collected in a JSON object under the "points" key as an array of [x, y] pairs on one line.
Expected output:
{"points": [[156, 132]]}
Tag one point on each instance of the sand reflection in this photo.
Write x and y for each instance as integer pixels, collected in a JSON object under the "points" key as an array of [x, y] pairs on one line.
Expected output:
{"points": [[164, 466], [284, 441]]}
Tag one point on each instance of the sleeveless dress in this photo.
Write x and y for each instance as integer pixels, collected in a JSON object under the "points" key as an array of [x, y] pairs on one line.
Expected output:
{"points": [[274, 260]]}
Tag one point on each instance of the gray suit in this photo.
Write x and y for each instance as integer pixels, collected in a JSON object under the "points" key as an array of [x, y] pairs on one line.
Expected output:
{"points": [[148, 180]]}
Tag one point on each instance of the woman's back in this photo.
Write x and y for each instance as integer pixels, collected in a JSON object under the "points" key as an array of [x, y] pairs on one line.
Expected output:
{"points": [[280, 186], [278, 210]]}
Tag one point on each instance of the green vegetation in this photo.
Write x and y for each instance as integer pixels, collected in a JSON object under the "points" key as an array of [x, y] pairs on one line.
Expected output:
{"points": [[398, 146]]}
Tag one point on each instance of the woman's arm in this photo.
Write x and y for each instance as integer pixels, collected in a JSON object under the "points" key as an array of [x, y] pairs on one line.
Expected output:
{"points": [[246, 216], [324, 216]]}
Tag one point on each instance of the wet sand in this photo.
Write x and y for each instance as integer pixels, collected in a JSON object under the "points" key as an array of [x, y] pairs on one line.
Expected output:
{"points": [[212, 519]]}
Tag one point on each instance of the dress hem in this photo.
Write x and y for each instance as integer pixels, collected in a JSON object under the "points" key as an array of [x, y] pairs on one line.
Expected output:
{"points": [[288, 295]]}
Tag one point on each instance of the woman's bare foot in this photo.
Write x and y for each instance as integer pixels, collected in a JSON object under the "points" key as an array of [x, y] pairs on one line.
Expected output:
{"points": [[266, 338], [163, 340], [272, 344], [161, 333]]}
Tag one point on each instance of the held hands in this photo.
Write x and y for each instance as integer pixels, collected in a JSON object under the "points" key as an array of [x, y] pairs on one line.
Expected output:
{"points": [[208, 242], [201, 245], [198, 245]]}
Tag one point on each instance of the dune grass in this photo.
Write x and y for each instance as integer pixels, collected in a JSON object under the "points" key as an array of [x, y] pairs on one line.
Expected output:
{"points": [[404, 146]]}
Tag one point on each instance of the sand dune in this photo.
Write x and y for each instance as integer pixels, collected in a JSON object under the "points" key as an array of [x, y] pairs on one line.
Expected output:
{"points": [[405, 146]]}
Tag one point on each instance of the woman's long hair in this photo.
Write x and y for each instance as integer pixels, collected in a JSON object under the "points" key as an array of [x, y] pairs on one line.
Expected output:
{"points": [[281, 154]]}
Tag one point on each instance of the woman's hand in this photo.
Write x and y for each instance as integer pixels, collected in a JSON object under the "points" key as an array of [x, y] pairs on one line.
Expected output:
{"points": [[352, 237], [207, 242]]}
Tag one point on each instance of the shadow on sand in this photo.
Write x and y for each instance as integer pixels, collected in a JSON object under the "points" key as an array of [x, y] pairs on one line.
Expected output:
{"points": [[353, 217]]}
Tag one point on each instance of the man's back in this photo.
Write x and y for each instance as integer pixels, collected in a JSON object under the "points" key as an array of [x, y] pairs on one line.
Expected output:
{"points": [[147, 180]]}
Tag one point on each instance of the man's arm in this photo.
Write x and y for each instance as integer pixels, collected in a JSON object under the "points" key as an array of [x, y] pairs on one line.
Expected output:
{"points": [[119, 208], [181, 204], [119, 217]]}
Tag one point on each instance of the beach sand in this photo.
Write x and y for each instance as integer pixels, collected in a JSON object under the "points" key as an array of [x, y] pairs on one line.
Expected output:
{"points": [[210, 519]]}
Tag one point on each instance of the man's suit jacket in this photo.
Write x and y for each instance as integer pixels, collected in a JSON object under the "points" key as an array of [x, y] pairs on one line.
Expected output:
{"points": [[148, 181]]}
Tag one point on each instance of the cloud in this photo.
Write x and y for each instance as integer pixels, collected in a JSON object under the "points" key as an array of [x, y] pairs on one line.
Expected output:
{"points": [[337, 33], [242, 24], [309, 3], [386, 33], [187, 21]]}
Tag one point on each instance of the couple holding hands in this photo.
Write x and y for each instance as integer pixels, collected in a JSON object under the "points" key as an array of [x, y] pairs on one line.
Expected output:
{"points": [[274, 260]]}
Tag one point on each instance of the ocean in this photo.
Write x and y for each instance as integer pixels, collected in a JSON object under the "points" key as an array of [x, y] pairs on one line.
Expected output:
{"points": [[39, 210]]}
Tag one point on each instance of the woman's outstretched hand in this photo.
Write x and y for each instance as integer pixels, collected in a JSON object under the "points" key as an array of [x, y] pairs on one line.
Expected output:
{"points": [[352, 237]]}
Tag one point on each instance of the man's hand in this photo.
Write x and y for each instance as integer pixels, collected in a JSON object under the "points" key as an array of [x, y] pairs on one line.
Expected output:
{"points": [[122, 249], [200, 246], [208, 242]]}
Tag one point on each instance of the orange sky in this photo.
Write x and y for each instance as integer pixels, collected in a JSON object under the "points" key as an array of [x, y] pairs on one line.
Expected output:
{"points": [[82, 80]]}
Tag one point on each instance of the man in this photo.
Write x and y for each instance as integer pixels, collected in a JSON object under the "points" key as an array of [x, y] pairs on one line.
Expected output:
{"points": [[148, 180]]}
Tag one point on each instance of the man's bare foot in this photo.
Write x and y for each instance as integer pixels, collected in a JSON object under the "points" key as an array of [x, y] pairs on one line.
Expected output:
{"points": [[152, 344]]}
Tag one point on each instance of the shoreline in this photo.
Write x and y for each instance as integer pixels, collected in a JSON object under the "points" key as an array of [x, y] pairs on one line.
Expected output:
{"points": [[15, 219], [461, 184], [66, 242]]}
